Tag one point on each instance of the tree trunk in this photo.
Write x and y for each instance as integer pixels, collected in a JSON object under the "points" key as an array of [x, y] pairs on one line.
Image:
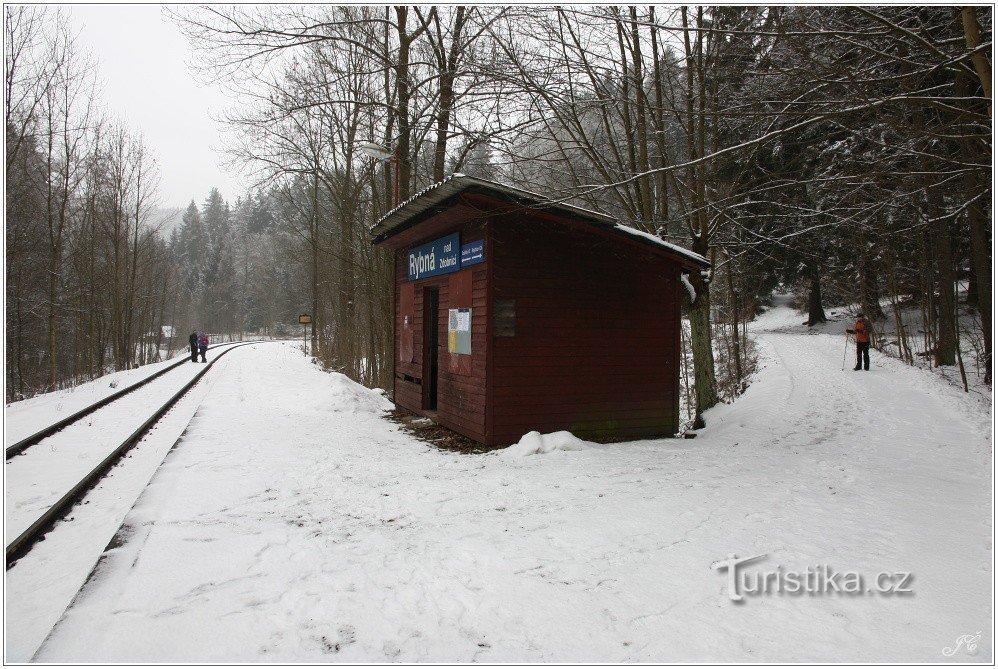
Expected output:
{"points": [[815, 311], [641, 123], [972, 32], [868, 284], [132, 283], [314, 244], [733, 298], [704, 380], [946, 279], [53, 350], [403, 90], [658, 114], [927, 284], [448, 72], [972, 294], [980, 248], [701, 340], [974, 183]]}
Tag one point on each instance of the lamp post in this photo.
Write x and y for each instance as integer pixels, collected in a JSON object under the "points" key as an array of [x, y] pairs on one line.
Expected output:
{"points": [[383, 154]]}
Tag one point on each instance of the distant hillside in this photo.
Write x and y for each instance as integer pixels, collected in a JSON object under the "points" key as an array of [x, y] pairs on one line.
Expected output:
{"points": [[166, 219]]}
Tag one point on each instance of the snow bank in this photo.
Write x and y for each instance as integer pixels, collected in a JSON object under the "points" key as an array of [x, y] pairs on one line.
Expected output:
{"points": [[351, 397], [535, 443]]}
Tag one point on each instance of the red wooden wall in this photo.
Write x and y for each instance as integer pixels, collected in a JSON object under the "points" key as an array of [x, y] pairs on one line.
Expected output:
{"points": [[461, 389], [596, 344], [595, 336]]}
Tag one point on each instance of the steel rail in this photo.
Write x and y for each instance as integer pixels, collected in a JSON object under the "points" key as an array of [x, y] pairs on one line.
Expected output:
{"points": [[46, 432], [20, 546]]}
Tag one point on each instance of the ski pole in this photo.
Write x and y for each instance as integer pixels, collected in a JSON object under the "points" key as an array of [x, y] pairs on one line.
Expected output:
{"points": [[844, 351]]}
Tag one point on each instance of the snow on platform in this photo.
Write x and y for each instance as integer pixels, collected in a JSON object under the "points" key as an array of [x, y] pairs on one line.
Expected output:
{"points": [[294, 523]]}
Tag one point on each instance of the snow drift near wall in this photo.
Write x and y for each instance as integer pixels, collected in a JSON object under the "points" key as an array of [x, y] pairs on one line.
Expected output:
{"points": [[346, 395], [535, 443]]}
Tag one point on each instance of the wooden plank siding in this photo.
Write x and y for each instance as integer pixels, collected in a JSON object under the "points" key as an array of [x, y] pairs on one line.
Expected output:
{"points": [[588, 337], [461, 379], [596, 344]]}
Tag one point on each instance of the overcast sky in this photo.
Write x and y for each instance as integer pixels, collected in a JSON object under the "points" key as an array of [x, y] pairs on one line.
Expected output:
{"points": [[143, 64]]}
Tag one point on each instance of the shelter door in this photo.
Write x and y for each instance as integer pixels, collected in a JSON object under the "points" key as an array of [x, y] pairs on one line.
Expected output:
{"points": [[431, 346]]}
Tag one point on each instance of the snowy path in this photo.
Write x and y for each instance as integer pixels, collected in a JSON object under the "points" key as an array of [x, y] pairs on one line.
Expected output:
{"points": [[293, 523]]}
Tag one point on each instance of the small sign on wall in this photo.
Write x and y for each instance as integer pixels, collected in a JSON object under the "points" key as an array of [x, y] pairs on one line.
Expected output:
{"points": [[473, 253], [459, 331]]}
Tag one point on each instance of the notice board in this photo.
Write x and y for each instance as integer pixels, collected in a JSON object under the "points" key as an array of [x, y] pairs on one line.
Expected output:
{"points": [[459, 331]]}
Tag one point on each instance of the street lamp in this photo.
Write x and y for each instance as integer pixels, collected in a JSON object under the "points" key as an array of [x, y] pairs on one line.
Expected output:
{"points": [[383, 154]]}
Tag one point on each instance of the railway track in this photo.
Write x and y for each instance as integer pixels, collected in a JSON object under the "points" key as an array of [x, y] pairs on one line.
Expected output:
{"points": [[32, 439], [58, 509]]}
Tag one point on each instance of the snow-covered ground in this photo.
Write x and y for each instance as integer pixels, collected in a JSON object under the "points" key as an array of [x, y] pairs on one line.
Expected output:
{"points": [[26, 417], [39, 476], [886, 339], [44, 582], [293, 522]]}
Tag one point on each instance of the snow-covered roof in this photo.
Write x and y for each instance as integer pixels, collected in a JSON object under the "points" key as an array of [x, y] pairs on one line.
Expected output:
{"points": [[398, 219]]}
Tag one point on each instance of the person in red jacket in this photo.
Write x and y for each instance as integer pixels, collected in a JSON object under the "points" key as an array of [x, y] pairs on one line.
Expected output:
{"points": [[863, 330], [203, 345]]}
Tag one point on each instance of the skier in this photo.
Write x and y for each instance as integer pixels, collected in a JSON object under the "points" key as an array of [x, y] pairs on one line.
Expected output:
{"points": [[203, 345], [193, 342], [862, 330]]}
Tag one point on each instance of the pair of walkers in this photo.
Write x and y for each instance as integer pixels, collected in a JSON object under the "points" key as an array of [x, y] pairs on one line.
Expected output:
{"points": [[199, 344]]}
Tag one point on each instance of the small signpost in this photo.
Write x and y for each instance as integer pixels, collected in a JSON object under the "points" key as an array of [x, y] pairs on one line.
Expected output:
{"points": [[305, 319]]}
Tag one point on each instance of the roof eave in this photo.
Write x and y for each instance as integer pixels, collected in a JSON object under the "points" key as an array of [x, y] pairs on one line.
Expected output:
{"points": [[398, 220]]}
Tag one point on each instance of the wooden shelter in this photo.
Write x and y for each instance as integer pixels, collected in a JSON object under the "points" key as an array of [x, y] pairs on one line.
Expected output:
{"points": [[514, 313]]}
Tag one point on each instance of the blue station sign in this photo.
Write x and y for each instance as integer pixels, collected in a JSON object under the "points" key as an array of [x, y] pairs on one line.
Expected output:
{"points": [[473, 253], [441, 256]]}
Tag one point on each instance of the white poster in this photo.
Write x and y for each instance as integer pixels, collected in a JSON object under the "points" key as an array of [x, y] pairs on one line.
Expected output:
{"points": [[459, 331]]}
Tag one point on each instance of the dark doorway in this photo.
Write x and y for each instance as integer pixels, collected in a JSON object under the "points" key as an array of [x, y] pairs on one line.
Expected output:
{"points": [[431, 346]]}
